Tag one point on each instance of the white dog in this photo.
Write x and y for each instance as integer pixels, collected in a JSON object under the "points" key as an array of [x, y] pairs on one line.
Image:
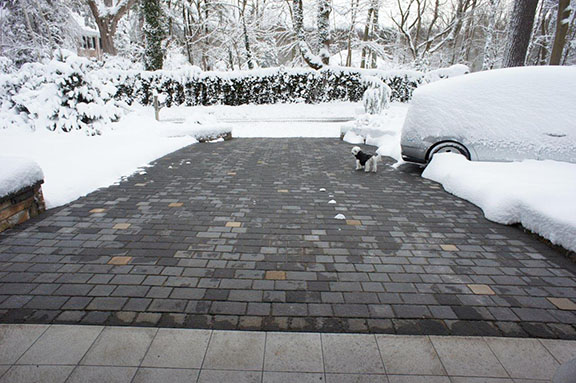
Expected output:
{"points": [[366, 161]]}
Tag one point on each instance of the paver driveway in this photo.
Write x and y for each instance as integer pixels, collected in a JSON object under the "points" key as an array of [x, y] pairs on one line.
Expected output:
{"points": [[240, 235]]}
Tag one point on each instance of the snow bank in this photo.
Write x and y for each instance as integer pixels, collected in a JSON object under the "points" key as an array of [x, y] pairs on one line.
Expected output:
{"points": [[381, 130], [505, 114], [537, 194], [442, 73], [17, 173]]}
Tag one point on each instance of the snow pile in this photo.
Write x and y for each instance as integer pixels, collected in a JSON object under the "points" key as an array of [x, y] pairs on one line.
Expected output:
{"points": [[381, 130], [60, 95], [505, 114], [537, 194], [17, 173], [442, 73]]}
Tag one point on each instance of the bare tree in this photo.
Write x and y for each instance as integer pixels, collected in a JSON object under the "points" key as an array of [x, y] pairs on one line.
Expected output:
{"points": [[489, 45], [562, 24], [298, 19], [107, 13], [520, 31]]}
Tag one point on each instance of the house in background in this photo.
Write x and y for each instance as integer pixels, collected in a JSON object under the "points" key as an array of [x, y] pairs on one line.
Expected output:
{"points": [[89, 44]]}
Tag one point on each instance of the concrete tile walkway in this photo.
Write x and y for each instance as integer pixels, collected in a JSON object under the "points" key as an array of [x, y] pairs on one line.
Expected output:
{"points": [[71, 353], [242, 235]]}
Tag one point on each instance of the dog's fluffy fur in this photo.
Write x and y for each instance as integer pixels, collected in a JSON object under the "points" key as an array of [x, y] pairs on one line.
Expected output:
{"points": [[366, 161]]}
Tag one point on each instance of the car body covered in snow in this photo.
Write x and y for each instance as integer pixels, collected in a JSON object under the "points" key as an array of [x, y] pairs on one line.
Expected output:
{"points": [[499, 115]]}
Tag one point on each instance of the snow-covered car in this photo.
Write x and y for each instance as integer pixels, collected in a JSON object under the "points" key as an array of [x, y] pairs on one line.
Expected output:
{"points": [[499, 115]]}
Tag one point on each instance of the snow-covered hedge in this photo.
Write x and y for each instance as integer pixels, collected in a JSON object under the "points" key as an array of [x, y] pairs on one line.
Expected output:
{"points": [[70, 93], [264, 86]]}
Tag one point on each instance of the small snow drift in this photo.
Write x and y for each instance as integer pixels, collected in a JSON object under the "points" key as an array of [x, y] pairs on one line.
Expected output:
{"points": [[537, 194], [17, 173], [498, 115]]}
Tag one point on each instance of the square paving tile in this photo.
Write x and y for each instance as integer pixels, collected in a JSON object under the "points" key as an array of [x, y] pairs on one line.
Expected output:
{"points": [[97, 374], [16, 339], [220, 376], [37, 374], [122, 226], [460, 379], [177, 349], [119, 346], [351, 353], [466, 356], [409, 355], [292, 377], [234, 350], [481, 289], [61, 345], [524, 358], [563, 303], [165, 375], [296, 352]]}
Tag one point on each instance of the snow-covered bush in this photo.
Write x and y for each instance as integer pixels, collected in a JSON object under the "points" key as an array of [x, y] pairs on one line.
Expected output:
{"points": [[442, 73], [60, 95], [377, 97]]}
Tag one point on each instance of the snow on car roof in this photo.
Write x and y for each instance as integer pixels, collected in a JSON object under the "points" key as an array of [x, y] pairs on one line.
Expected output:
{"points": [[528, 109]]}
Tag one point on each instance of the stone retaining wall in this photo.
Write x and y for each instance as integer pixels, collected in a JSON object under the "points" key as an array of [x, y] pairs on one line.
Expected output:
{"points": [[22, 205]]}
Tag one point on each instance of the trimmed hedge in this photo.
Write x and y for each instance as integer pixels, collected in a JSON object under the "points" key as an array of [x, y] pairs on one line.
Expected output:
{"points": [[266, 86]]}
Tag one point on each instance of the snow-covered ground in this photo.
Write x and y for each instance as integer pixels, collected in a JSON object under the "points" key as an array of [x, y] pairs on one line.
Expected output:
{"points": [[537, 194], [75, 164]]}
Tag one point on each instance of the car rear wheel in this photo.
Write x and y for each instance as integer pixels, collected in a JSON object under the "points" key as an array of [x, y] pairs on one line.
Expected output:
{"points": [[448, 147]]}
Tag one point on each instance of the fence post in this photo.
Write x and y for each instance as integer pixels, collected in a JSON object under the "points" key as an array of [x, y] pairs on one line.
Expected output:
{"points": [[156, 108]]}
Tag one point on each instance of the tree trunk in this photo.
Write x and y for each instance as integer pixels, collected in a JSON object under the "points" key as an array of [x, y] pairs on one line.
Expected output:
{"points": [[313, 61], [489, 46], [375, 29], [520, 30], [107, 24], [561, 30], [323, 24], [155, 33], [246, 40], [365, 37], [354, 10]]}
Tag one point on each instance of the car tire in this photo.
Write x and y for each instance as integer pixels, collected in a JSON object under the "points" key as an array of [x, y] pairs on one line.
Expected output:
{"points": [[448, 147]]}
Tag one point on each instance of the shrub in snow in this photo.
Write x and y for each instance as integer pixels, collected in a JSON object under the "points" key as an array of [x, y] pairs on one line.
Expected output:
{"points": [[377, 97], [60, 95]]}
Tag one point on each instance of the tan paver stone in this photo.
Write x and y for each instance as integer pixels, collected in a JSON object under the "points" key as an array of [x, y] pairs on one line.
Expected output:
{"points": [[353, 222], [275, 275], [122, 226], [233, 224], [449, 247], [97, 210], [563, 303], [231, 173], [176, 204], [119, 260], [282, 191], [481, 289], [140, 184]]}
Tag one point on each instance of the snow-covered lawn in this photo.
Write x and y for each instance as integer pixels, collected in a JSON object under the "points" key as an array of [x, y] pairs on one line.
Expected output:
{"points": [[75, 164], [540, 195]]}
